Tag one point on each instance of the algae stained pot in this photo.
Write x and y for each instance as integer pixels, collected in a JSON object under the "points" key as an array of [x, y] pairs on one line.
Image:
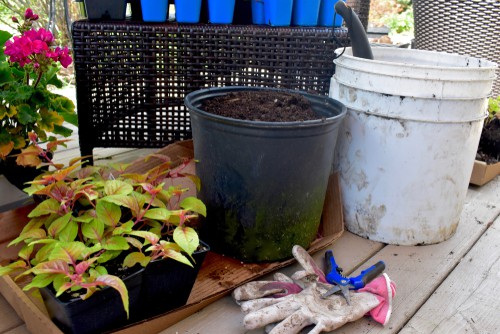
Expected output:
{"points": [[263, 183], [409, 140]]}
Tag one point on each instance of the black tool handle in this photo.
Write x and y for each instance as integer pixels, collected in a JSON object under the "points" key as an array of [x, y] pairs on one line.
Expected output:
{"points": [[367, 275], [359, 41]]}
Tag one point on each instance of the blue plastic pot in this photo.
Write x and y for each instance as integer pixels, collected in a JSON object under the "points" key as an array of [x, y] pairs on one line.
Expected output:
{"points": [[154, 10], [221, 11], [326, 14], [258, 12], [305, 12], [187, 11], [278, 12]]}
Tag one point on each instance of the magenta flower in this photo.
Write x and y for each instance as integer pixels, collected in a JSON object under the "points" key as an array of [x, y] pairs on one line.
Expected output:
{"points": [[28, 14], [64, 57]]}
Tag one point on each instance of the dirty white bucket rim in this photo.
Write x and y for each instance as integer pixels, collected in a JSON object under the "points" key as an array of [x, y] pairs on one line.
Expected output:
{"points": [[447, 76]]}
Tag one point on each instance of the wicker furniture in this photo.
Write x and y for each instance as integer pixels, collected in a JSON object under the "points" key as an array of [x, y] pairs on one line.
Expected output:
{"points": [[469, 27], [131, 78], [362, 9]]}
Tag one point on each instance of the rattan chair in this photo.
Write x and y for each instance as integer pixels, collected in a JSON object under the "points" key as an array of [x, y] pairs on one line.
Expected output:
{"points": [[362, 9], [468, 27], [131, 78]]}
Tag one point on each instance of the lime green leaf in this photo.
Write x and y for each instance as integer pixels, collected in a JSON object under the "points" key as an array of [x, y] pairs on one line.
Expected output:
{"points": [[117, 284], [108, 213], [63, 105], [25, 252], [158, 214], [58, 225], [68, 252], [115, 243], [41, 281], [93, 230], [194, 204], [124, 228], [44, 252], [70, 232], [149, 236], [11, 267], [134, 258], [175, 255], [59, 281], [117, 187], [51, 267], [31, 234], [186, 238], [134, 242], [46, 207]]}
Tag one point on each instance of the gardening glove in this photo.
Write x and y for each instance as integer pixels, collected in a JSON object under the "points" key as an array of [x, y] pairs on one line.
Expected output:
{"points": [[296, 311], [298, 301]]}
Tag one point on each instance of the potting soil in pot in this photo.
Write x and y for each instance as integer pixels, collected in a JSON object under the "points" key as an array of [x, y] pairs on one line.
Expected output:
{"points": [[267, 106], [263, 178]]}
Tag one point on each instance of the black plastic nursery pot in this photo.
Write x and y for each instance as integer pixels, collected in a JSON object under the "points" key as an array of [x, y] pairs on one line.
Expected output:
{"points": [[103, 311], [263, 183], [19, 175], [166, 283], [105, 9]]}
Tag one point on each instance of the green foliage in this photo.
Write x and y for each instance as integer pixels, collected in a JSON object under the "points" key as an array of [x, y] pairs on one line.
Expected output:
{"points": [[27, 107], [493, 109], [92, 215], [401, 22]]}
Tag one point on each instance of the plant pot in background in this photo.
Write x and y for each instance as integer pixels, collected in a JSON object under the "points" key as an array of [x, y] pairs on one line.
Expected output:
{"points": [[327, 14], [278, 12], [221, 11], [187, 11], [264, 183], [18, 175], [242, 12], [258, 12], [305, 12], [166, 283], [154, 10], [101, 312], [106, 10]]}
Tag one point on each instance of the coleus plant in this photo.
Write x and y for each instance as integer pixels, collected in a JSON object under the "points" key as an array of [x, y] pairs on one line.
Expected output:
{"points": [[92, 215]]}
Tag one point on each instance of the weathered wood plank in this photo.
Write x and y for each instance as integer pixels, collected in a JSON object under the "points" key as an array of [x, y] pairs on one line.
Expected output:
{"points": [[419, 270], [224, 316], [8, 317], [468, 301]]}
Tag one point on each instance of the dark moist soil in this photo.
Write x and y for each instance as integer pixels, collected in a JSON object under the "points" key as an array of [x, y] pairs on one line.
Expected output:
{"points": [[489, 144], [263, 106]]}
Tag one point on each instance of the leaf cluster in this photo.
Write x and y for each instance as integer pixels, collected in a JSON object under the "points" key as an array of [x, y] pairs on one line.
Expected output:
{"points": [[493, 109], [27, 108], [93, 216]]}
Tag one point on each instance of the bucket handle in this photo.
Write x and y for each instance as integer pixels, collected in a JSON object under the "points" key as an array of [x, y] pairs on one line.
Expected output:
{"points": [[477, 119]]}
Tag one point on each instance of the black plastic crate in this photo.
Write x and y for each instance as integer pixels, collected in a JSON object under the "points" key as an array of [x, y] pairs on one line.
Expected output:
{"points": [[131, 78]]}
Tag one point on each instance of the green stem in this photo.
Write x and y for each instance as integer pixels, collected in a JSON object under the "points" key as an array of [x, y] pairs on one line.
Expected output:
{"points": [[38, 79]]}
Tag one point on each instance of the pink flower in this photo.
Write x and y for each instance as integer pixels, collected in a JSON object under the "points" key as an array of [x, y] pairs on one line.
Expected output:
{"points": [[64, 57], [38, 46], [28, 14], [14, 19]]}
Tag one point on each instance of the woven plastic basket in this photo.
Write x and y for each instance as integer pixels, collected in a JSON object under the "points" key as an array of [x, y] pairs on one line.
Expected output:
{"points": [[468, 27], [131, 78], [362, 9]]}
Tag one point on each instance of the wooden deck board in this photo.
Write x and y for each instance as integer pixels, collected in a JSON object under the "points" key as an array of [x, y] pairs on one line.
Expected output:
{"points": [[468, 301], [8, 317]]}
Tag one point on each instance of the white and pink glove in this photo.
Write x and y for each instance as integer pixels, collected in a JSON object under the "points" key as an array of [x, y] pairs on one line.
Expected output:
{"points": [[290, 304]]}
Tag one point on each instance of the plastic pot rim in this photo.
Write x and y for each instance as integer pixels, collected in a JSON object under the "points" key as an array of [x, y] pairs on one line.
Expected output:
{"points": [[192, 99]]}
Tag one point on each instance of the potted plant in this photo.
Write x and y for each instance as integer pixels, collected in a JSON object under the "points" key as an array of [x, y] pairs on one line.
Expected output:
{"points": [[96, 228], [487, 164], [28, 65], [278, 12], [264, 159]]}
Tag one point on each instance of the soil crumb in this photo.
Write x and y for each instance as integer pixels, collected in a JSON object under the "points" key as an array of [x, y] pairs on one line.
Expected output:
{"points": [[263, 106]]}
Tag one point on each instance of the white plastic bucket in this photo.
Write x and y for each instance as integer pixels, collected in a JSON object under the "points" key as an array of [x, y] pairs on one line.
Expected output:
{"points": [[408, 143]]}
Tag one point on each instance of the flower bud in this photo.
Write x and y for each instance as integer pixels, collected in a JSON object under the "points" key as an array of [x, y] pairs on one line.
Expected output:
{"points": [[14, 19], [28, 14], [34, 17]]}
